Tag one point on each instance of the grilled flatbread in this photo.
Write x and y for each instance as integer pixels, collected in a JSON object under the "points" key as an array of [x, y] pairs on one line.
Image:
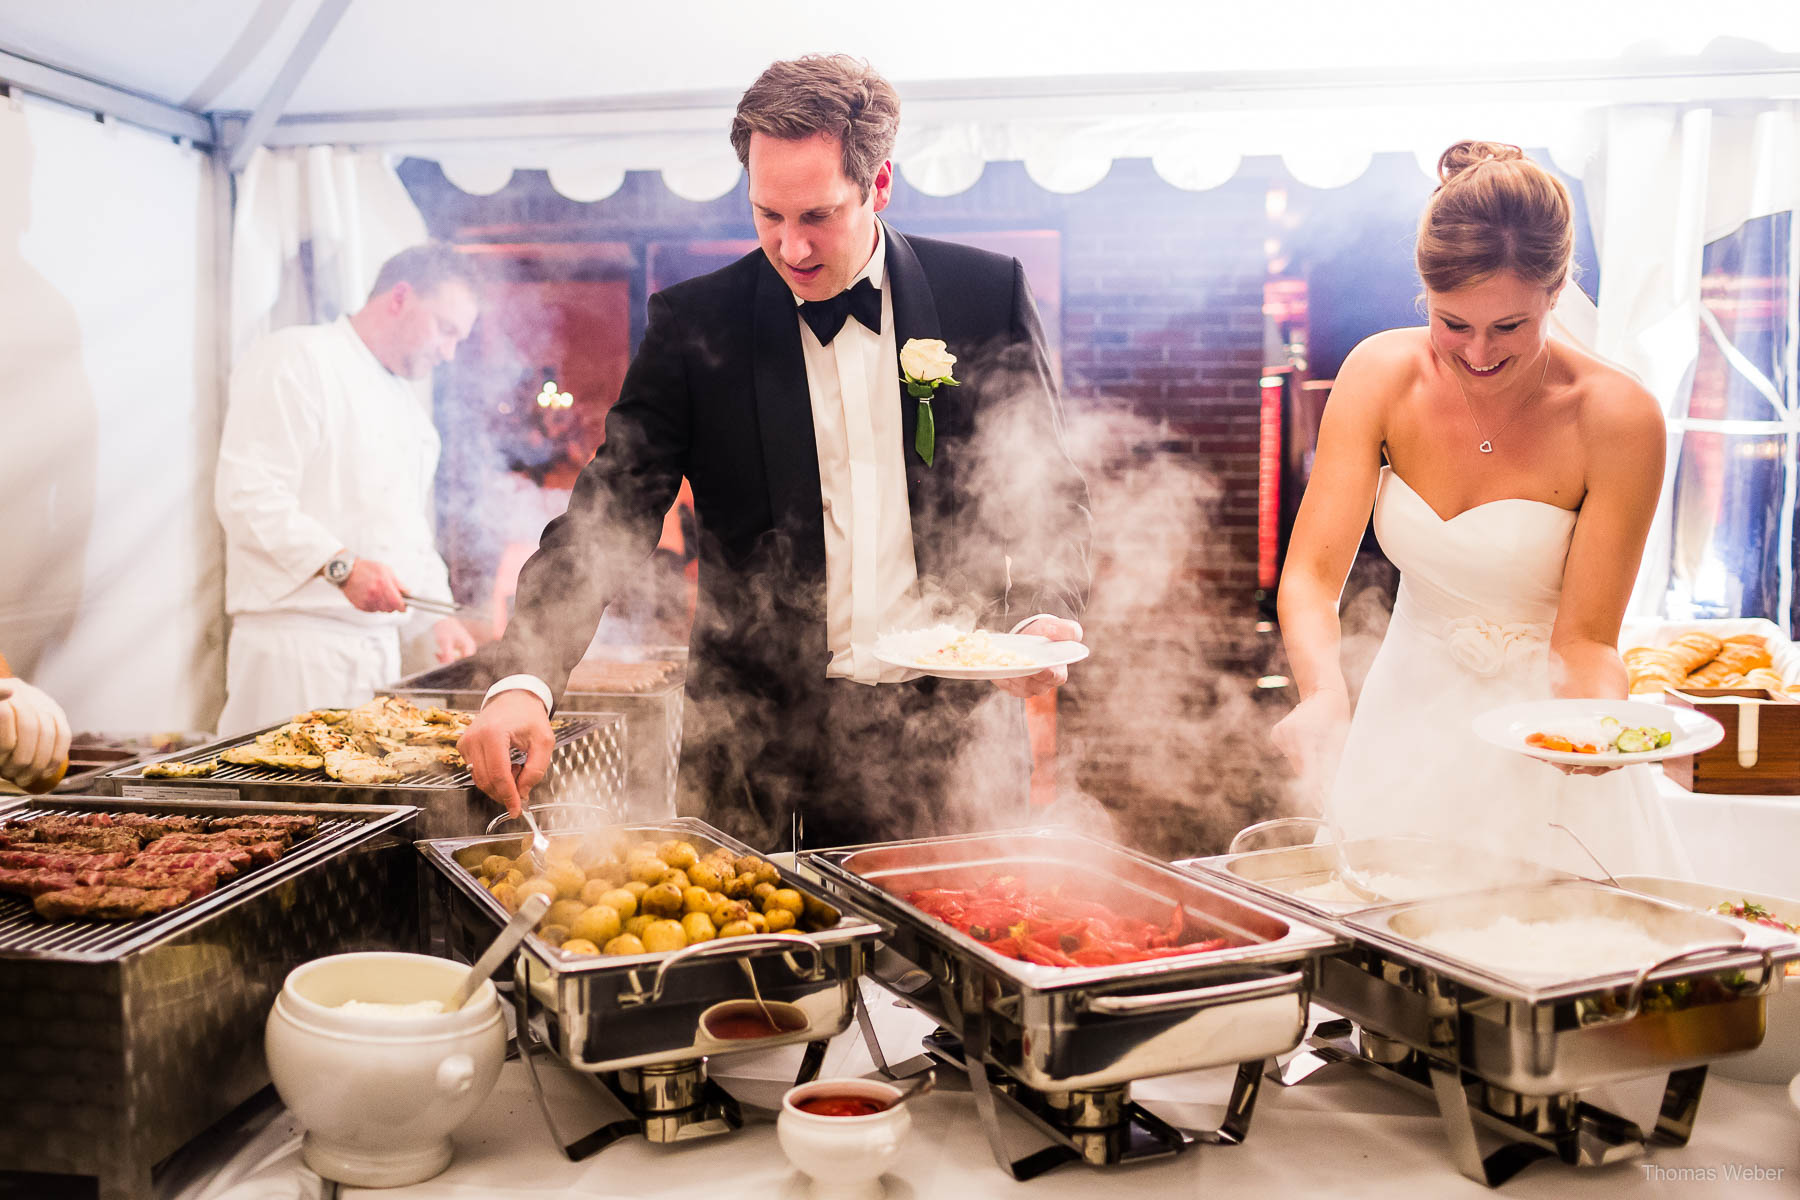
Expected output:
{"points": [[413, 760], [171, 769], [254, 756], [355, 767]]}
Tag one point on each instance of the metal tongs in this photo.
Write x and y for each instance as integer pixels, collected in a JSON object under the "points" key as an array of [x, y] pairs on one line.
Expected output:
{"points": [[443, 608]]}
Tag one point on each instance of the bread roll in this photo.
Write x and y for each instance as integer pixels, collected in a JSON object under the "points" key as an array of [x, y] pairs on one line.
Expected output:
{"points": [[1741, 656], [1714, 674], [1764, 677], [1694, 650]]}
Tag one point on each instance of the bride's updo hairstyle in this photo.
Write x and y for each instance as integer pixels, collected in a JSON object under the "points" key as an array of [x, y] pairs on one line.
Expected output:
{"points": [[1494, 210]]}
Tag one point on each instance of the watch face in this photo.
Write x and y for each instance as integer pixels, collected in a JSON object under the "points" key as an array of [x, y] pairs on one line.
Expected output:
{"points": [[338, 570]]}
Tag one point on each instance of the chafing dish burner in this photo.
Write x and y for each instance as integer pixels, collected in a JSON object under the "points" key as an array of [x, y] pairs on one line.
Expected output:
{"points": [[1032, 1031]]}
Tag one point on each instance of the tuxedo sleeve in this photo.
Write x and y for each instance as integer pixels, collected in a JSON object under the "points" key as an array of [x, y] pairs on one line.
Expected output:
{"points": [[614, 519], [1050, 533]]}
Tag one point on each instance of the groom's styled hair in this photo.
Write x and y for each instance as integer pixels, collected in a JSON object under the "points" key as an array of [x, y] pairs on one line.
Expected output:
{"points": [[832, 94]]}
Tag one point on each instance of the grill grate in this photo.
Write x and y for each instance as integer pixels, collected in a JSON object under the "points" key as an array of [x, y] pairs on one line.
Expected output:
{"points": [[23, 931]]}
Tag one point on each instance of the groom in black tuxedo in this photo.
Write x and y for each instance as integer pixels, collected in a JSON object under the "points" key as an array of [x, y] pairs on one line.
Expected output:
{"points": [[833, 506]]}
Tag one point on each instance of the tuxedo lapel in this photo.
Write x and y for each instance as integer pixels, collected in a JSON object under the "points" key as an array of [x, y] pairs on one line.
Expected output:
{"points": [[784, 417], [915, 316]]}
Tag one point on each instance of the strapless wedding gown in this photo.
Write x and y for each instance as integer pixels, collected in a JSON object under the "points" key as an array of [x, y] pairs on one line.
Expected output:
{"points": [[1470, 632]]}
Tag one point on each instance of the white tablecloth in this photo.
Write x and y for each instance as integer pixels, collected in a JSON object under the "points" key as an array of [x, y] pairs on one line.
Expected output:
{"points": [[1747, 842], [1342, 1133]]}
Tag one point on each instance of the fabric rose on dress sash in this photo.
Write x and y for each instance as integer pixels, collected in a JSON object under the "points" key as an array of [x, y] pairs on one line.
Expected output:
{"points": [[1486, 648]]}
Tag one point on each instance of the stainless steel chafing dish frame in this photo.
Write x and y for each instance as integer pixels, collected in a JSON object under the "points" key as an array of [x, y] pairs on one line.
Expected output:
{"points": [[1512, 1053], [116, 1051], [1072, 1031], [587, 766]]}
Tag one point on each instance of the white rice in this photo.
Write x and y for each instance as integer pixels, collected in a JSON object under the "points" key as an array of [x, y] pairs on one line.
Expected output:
{"points": [[1565, 947], [1388, 886], [393, 1012]]}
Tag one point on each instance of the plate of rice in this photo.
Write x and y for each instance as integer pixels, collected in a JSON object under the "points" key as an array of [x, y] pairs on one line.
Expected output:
{"points": [[1589, 733], [952, 653]]}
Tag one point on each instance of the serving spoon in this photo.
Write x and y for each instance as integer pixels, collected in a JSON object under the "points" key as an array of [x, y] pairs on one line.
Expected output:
{"points": [[500, 949]]}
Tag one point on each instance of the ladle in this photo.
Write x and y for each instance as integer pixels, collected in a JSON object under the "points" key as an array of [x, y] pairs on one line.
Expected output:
{"points": [[500, 949]]}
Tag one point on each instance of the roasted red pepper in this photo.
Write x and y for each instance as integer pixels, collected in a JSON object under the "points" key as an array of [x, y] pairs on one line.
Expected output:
{"points": [[1052, 930]]}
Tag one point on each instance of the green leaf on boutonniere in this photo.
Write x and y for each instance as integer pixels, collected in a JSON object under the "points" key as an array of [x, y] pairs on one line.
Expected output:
{"points": [[925, 440]]}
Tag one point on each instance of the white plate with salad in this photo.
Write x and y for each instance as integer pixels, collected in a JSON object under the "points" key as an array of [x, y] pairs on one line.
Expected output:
{"points": [[952, 653], [1592, 733]]}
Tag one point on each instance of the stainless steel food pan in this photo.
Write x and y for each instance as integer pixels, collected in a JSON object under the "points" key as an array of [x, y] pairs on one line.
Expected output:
{"points": [[609, 1013], [1056, 1028]]}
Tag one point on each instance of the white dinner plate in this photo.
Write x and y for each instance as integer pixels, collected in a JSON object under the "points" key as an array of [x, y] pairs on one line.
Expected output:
{"points": [[1508, 728], [906, 649]]}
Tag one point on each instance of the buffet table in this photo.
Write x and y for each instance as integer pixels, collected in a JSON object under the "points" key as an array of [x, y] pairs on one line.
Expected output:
{"points": [[1748, 842], [1342, 1133]]}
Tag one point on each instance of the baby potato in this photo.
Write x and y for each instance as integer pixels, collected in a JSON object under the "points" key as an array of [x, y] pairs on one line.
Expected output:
{"points": [[513, 876], [620, 899], [647, 870], [599, 924], [746, 864], [787, 898], [757, 921], [738, 886], [766, 873], [567, 877], [663, 900], [818, 914], [644, 846], [677, 877], [635, 926], [780, 920], [535, 886], [736, 929], [696, 899], [659, 937], [706, 875], [636, 887], [761, 893], [729, 911], [508, 896], [625, 943], [698, 927], [556, 935], [495, 865], [678, 854], [593, 889], [563, 912], [579, 946]]}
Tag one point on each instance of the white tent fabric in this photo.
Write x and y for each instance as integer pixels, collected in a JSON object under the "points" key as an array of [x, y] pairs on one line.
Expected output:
{"points": [[109, 419], [1664, 183]]}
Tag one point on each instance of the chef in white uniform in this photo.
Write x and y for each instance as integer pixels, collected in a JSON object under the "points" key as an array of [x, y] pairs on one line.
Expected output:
{"points": [[323, 487]]}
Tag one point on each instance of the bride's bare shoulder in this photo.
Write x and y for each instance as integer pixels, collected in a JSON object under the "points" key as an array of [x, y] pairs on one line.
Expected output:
{"points": [[1613, 401], [1386, 361]]}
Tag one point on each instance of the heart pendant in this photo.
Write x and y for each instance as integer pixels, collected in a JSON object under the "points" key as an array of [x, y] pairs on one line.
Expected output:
{"points": [[1487, 447]]}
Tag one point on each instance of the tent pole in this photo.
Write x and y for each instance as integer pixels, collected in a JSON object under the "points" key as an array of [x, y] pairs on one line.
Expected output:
{"points": [[287, 80], [84, 93]]}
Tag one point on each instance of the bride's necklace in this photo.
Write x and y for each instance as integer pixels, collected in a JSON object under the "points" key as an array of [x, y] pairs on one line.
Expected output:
{"points": [[1487, 443]]}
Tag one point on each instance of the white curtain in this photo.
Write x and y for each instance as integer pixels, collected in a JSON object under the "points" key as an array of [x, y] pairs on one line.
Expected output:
{"points": [[312, 227], [1667, 181]]}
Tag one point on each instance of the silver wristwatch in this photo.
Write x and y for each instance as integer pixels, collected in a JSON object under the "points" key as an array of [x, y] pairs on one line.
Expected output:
{"points": [[337, 568]]}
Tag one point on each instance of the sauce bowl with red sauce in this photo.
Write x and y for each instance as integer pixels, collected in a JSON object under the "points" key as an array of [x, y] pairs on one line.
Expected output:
{"points": [[843, 1133]]}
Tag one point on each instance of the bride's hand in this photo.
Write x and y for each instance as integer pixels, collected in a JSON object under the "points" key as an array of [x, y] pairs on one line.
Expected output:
{"points": [[1312, 737]]}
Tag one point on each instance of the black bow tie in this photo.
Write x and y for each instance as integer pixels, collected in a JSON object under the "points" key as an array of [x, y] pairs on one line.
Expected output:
{"points": [[827, 316]]}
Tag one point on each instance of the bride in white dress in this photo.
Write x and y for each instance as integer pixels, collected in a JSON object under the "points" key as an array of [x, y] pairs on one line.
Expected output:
{"points": [[1520, 480]]}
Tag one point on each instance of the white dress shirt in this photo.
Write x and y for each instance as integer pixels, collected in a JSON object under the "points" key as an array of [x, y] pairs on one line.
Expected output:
{"points": [[324, 448]]}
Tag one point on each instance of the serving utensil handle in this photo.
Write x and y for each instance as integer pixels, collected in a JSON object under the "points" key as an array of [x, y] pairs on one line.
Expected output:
{"points": [[1242, 991], [529, 914], [1313, 823], [751, 941]]}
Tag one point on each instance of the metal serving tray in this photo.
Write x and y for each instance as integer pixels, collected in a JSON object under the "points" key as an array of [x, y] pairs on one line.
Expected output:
{"points": [[1553, 1033], [608, 1013], [1278, 876], [586, 767], [122, 1040], [1058, 1029], [651, 735]]}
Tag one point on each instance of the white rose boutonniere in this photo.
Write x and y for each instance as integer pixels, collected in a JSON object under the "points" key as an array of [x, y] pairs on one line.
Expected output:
{"points": [[925, 363]]}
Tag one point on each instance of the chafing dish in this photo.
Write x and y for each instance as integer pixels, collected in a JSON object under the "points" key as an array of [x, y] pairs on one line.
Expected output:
{"points": [[1282, 877], [651, 736], [1073, 1038], [646, 1023], [123, 1040], [586, 767]]}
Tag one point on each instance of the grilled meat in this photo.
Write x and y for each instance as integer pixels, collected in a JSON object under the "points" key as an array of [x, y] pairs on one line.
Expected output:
{"points": [[97, 839], [35, 881], [415, 760], [252, 756], [359, 769], [239, 856], [224, 864], [198, 882], [296, 824], [62, 862], [109, 903]]}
